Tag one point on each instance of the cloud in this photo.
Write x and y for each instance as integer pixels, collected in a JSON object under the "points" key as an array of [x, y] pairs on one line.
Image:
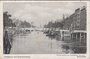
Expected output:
{"points": [[41, 12]]}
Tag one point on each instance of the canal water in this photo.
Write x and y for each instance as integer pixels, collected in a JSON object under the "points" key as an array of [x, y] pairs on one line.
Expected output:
{"points": [[37, 42]]}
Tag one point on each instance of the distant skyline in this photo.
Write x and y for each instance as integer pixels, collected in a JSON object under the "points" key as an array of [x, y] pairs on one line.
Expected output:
{"points": [[40, 13]]}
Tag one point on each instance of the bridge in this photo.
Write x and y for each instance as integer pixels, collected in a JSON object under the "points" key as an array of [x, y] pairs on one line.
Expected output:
{"points": [[35, 29]]}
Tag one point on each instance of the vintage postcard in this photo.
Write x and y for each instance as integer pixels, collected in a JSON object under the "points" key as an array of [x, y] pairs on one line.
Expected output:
{"points": [[44, 29]]}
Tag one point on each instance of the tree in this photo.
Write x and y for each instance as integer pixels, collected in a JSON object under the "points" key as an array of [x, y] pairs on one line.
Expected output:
{"points": [[54, 25], [25, 24], [6, 20]]}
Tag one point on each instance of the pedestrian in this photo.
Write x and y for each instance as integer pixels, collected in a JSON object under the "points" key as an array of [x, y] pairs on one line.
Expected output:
{"points": [[6, 43]]}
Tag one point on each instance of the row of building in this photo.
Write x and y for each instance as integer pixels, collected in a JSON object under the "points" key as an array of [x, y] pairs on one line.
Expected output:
{"points": [[76, 21], [76, 24]]}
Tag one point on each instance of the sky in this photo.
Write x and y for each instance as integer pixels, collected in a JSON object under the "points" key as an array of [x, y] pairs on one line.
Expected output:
{"points": [[40, 13]]}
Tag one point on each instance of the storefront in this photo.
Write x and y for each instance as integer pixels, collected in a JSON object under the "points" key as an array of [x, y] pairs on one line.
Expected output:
{"points": [[78, 35]]}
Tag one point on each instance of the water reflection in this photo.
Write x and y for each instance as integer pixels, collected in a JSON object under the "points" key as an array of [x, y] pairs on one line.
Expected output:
{"points": [[65, 48], [36, 42], [68, 46]]}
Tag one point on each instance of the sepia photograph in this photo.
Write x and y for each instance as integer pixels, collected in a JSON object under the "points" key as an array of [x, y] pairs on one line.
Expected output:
{"points": [[44, 28]]}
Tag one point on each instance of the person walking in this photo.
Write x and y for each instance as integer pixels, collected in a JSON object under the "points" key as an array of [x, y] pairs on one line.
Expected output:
{"points": [[6, 43]]}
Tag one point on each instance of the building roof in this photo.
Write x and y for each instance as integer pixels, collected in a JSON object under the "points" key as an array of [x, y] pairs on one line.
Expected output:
{"points": [[75, 31]]}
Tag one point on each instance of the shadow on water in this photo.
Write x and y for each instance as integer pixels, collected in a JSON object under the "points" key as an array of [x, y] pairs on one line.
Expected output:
{"points": [[79, 50], [51, 37], [74, 49], [23, 33], [68, 45], [67, 49]]}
